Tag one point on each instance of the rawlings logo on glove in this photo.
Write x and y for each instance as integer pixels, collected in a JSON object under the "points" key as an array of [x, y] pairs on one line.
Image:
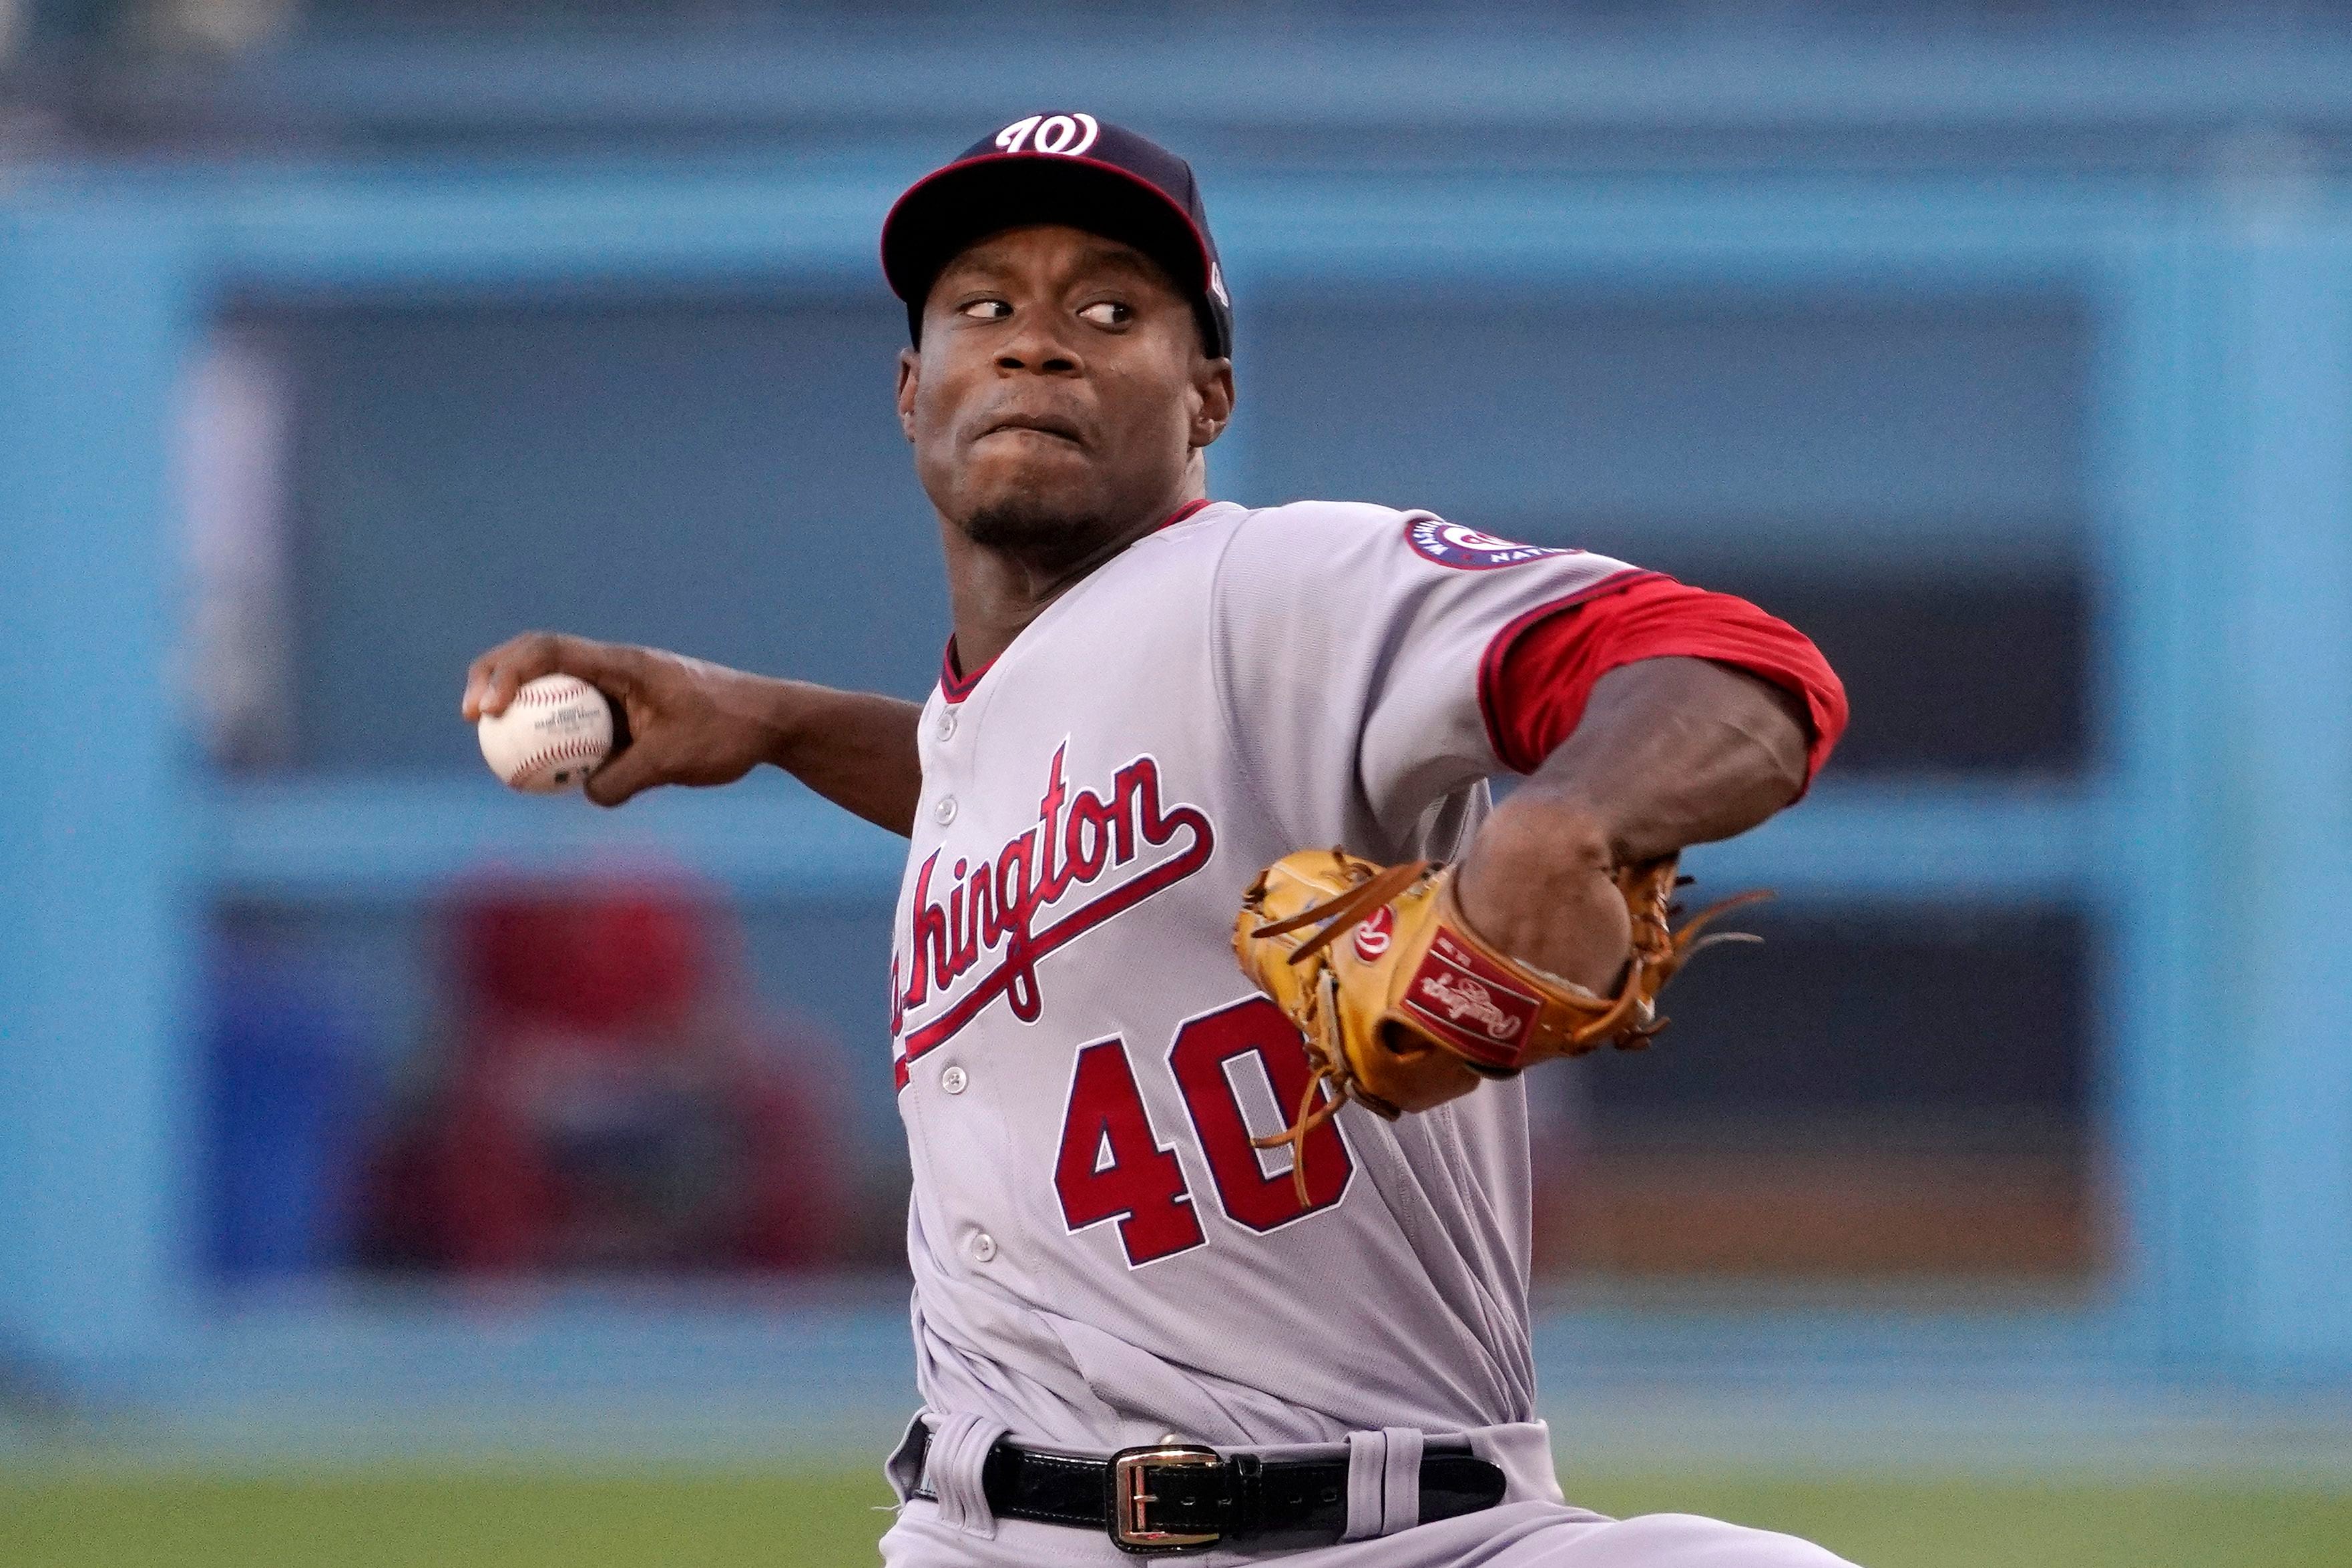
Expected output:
{"points": [[1463, 998], [1416, 1008]]}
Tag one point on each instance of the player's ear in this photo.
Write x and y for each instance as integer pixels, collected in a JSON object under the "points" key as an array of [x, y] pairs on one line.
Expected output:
{"points": [[1213, 399], [910, 372]]}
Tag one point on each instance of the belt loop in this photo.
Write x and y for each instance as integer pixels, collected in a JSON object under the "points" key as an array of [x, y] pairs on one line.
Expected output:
{"points": [[904, 1466], [952, 1472], [1400, 1479], [1367, 1454]]}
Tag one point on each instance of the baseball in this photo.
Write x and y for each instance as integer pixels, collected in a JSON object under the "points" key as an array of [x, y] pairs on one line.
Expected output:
{"points": [[551, 738]]}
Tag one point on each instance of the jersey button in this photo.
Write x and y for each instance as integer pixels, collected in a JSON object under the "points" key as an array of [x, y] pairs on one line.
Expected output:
{"points": [[944, 812], [953, 1080], [983, 1247], [947, 725]]}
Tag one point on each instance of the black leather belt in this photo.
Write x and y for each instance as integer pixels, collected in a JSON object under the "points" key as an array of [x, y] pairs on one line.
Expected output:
{"points": [[1186, 1499]]}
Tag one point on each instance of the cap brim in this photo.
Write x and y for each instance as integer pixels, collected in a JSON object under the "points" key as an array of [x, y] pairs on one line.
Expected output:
{"points": [[947, 211]]}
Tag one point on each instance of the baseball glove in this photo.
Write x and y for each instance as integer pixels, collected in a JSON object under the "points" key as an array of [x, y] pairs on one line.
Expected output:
{"points": [[1412, 1009]]}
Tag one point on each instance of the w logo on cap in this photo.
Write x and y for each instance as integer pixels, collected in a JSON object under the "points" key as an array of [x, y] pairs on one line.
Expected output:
{"points": [[1063, 135]]}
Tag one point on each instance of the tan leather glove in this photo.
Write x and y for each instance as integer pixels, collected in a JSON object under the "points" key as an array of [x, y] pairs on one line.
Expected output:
{"points": [[1404, 1007]]}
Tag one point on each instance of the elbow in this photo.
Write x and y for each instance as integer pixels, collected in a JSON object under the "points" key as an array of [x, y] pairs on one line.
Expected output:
{"points": [[1774, 750]]}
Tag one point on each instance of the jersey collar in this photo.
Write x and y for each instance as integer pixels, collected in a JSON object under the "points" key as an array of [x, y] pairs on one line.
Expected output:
{"points": [[955, 685]]}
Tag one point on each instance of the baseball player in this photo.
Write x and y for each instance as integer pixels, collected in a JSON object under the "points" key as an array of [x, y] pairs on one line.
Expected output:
{"points": [[1217, 1258]]}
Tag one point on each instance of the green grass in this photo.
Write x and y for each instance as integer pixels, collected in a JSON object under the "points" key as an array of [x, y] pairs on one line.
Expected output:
{"points": [[822, 1519], [2017, 1524]]}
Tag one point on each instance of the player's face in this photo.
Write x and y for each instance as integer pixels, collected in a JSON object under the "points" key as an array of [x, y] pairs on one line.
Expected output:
{"points": [[1061, 395]]}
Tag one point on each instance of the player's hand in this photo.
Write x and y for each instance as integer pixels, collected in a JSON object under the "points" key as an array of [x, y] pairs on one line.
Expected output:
{"points": [[676, 720], [1539, 883]]}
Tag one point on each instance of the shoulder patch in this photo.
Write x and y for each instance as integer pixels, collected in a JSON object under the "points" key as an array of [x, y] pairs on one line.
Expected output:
{"points": [[1467, 550]]}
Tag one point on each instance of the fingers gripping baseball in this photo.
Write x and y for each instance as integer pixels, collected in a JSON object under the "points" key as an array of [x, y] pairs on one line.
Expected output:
{"points": [[629, 771], [549, 709], [492, 679], [675, 720]]}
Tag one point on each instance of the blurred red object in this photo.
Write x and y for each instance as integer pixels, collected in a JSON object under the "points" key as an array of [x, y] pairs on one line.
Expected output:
{"points": [[609, 960], [608, 1099]]}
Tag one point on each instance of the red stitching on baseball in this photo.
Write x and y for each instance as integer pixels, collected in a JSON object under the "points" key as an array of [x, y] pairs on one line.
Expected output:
{"points": [[580, 748], [579, 745], [549, 696]]}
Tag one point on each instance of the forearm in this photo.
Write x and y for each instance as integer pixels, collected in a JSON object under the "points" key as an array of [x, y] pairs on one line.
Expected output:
{"points": [[855, 749], [1673, 752], [1670, 752]]}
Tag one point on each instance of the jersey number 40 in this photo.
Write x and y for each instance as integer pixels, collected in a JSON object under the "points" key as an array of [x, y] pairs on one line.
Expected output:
{"points": [[1113, 1167]]}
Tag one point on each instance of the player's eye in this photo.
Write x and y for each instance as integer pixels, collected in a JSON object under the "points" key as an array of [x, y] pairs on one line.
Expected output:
{"points": [[986, 309], [1107, 313]]}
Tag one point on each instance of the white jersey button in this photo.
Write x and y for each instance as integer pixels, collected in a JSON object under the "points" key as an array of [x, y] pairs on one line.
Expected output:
{"points": [[953, 1080], [983, 1247], [944, 812], [947, 725]]}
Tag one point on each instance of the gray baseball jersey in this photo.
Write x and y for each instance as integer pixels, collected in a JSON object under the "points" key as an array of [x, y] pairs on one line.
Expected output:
{"points": [[1101, 1258]]}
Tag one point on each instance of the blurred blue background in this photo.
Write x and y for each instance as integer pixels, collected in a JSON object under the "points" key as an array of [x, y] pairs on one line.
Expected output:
{"points": [[2006, 348]]}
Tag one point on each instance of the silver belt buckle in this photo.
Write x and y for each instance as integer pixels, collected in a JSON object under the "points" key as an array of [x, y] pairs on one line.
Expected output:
{"points": [[1131, 1498]]}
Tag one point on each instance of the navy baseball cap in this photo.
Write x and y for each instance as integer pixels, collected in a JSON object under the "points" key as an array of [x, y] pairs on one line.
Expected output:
{"points": [[1066, 168]]}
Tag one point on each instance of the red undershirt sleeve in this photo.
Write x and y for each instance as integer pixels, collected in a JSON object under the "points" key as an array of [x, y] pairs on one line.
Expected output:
{"points": [[1539, 671]]}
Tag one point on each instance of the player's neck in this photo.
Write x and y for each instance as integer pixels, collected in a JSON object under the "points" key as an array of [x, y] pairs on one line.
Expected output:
{"points": [[994, 594]]}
